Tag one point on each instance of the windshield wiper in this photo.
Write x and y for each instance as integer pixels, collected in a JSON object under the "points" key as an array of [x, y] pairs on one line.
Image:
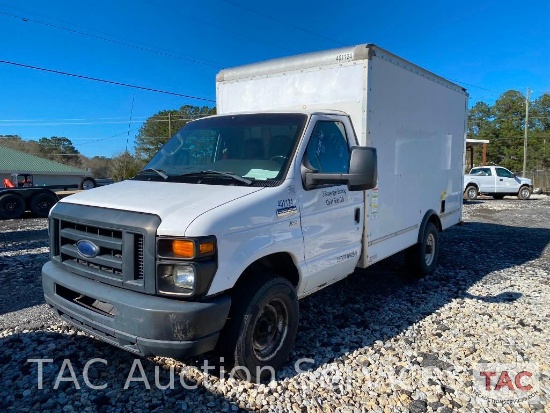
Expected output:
{"points": [[160, 172], [226, 174]]}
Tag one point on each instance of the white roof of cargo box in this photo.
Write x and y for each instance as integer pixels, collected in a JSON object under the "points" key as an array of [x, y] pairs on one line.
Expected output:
{"points": [[326, 58]]}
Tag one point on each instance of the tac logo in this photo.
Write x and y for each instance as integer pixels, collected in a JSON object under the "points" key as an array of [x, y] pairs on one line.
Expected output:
{"points": [[506, 383]]}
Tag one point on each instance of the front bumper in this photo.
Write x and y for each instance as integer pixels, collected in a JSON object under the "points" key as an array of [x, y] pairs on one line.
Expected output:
{"points": [[142, 324]]}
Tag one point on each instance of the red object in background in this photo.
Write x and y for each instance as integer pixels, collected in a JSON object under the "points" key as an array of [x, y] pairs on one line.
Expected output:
{"points": [[8, 183]]}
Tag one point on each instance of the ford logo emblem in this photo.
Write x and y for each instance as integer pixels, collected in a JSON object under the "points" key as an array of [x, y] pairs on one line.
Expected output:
{"points": [[87, 248]]}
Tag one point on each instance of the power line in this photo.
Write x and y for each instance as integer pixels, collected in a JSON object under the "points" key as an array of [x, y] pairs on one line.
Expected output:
{"points": [[477, 87], [69, 119], [329, 38], [284, 22], [46, 123], [68, 123], [130, 121], [109, 137], [164, 118], [172, 10], [111, 82], [190, 59], [89, 141], [147, 49]]}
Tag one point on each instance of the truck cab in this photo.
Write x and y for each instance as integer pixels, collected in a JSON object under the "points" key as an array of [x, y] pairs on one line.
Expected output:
{"points": [[232, 203]]}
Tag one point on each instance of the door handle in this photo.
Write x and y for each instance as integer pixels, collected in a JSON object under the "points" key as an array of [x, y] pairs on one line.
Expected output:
{"points": [[501, 179], [357, 215]]}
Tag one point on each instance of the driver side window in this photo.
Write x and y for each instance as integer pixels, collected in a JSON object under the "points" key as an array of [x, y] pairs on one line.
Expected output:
{"points": [[504, 173], [328, 149]]}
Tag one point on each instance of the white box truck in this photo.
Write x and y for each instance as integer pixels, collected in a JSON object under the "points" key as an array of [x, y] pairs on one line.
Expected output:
{"points": [[315, 165]]}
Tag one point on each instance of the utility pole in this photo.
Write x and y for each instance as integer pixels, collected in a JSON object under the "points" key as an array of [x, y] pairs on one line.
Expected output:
{"points": [[526, 128], [169, 125]]}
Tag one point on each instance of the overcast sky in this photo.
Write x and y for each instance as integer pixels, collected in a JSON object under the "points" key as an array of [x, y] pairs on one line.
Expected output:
{"points": [[179, 46]]}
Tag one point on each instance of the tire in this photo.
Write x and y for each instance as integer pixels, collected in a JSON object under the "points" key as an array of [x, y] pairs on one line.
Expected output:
{"points": [[421, 258], [88, 183], [524, 193], [471, 193], [41, 204], [261, 328], [11, 206], [500, 196]]}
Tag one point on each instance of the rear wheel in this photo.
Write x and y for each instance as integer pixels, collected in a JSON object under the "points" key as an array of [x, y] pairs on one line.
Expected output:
{"points": [[422, 257], [11, 206], [471, 193], [524, 192], [41, 204], [262, 327]]}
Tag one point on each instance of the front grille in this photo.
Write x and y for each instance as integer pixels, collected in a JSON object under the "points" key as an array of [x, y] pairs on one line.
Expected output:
{"points": [[125, 241], [108, 263]]}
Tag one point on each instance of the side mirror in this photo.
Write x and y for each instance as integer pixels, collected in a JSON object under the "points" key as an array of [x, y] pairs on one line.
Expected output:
{"points": [[362, 173], [363, 169]]}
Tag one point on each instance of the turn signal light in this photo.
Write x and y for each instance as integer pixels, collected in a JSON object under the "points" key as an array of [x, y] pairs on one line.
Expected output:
{"points": [[184, 249], [206, 248]]}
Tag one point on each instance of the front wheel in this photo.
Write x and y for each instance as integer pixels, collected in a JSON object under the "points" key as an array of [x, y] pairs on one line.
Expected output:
{"points": [[422, 257], [471, 193], [262, 327], [524, 193]]}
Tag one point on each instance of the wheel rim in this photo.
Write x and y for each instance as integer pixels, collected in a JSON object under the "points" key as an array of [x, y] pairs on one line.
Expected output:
{"points": [[472, 193], [429, 252], [270, 330], [45, 205], [87, 185], [524, 193]]}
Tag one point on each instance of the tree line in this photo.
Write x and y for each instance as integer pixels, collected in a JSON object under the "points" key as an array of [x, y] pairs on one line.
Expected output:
{"points": [[502, 124]]}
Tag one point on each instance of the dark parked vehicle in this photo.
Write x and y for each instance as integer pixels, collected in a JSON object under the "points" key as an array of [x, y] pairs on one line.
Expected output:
{"points": [[19, 195]]}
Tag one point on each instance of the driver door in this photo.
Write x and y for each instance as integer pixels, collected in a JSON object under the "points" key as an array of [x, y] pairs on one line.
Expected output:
{"points": [[506, 181], [331, 215]]}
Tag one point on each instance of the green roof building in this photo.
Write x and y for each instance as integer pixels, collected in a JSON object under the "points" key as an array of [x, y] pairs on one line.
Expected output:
{"points": [[45, 172]]}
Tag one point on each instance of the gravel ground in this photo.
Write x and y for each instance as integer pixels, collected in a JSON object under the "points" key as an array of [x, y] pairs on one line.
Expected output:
{"points": [[373, 342]]}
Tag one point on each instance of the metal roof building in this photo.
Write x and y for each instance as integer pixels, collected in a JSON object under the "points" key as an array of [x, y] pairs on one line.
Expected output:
{"points": [[45, 172]]}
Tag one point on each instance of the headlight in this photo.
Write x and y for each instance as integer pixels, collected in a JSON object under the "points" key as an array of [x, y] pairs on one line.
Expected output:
{"points": [[176, 279], [185, 266], [184, 276]]}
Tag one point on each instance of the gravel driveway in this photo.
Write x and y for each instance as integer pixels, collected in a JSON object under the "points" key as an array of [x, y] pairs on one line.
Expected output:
{"points": [[373, 342]]}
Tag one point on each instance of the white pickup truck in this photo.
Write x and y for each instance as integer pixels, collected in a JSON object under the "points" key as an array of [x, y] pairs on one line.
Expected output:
{"points": [[497, 182], [315, 165]]}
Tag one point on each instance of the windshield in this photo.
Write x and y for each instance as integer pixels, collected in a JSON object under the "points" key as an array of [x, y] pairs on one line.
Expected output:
{"points": [[223, 150]]}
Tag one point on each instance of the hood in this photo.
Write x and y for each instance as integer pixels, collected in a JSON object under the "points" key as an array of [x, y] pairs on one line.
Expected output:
{"points": [[525, 180], [161, 198]]}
